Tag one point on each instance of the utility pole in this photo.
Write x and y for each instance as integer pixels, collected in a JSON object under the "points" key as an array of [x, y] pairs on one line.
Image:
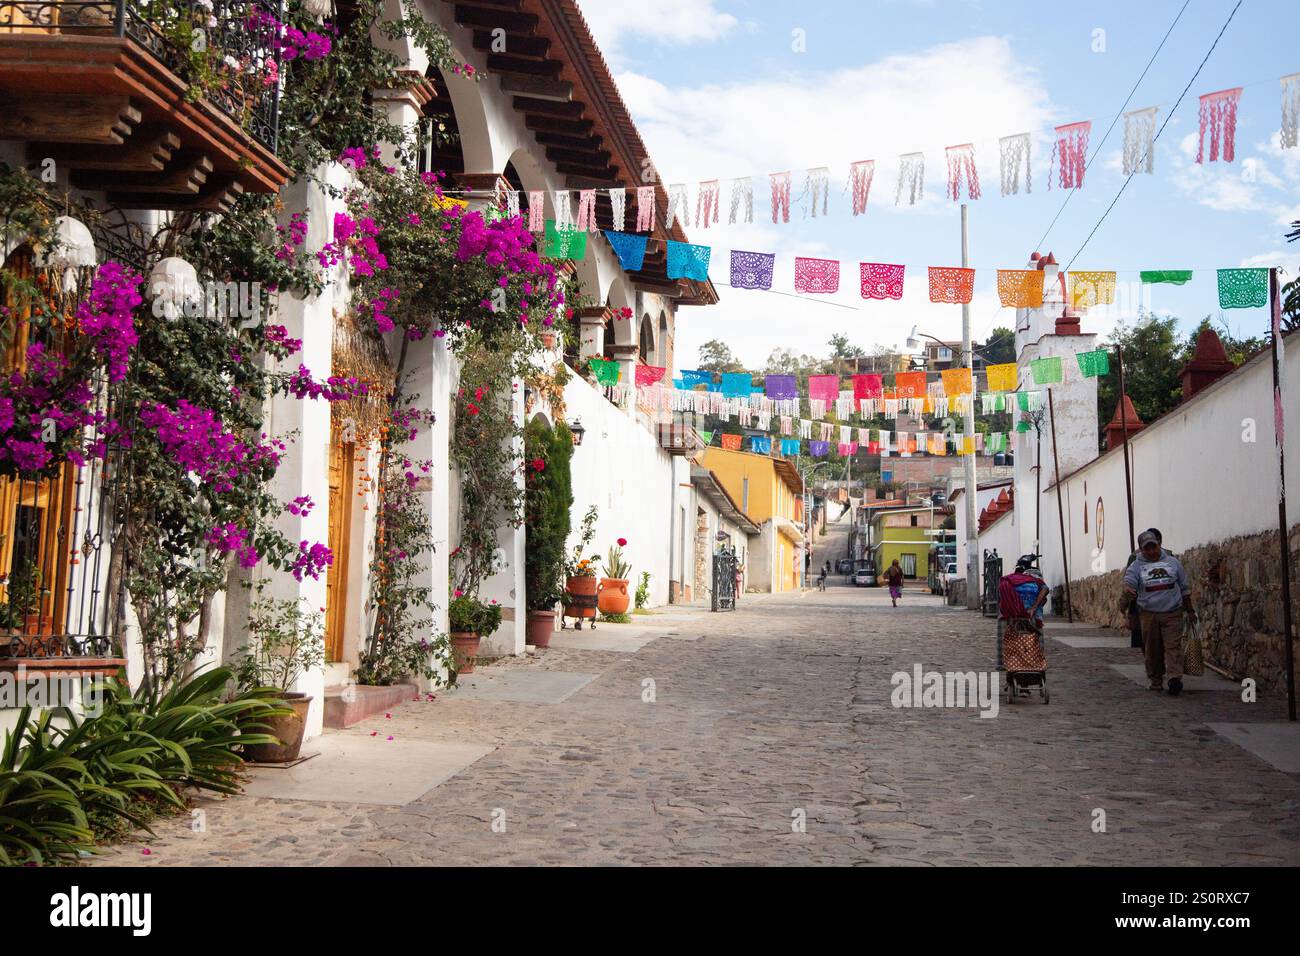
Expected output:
{"points": [[968, 359]]}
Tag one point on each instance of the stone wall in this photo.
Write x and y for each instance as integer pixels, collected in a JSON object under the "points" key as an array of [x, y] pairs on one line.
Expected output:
{"points": [[1237, 590]]}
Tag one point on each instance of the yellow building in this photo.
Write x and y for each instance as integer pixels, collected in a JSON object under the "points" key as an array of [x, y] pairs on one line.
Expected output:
{"points": [[770, 493]]}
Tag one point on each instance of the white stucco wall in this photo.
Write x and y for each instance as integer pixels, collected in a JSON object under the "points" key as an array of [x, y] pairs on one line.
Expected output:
{"points": [[1197, 475]]}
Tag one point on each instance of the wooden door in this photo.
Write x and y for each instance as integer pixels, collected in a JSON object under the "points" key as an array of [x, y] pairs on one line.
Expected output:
{"points": [[340, 533]]}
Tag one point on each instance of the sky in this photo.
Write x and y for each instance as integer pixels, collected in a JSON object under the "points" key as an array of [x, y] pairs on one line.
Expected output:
{"points": [[722, 89]]}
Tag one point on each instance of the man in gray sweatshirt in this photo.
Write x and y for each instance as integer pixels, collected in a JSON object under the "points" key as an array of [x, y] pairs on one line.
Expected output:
{"points": [[1157, 581]]}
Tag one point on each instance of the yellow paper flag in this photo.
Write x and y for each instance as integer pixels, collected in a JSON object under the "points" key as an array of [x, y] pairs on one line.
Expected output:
{"points": [[1092, 288], [956, 381], [1001, 378], [1020, 288]]}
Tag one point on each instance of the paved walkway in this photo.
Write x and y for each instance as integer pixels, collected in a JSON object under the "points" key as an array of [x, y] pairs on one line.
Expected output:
{"points": [[779, 712]]}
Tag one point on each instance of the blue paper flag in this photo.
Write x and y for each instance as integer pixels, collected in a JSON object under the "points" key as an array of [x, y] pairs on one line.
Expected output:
{"points": [[692, 377], [688, 261], [789, 446], [737, 384], [760, 444], [629, 247]]}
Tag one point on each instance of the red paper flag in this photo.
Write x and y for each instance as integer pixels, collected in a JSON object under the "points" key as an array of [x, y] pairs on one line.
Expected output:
{"points": [[825, 387], [868, 386], [648, 374]]}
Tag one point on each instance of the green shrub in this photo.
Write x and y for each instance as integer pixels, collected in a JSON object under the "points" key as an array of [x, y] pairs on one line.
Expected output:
{"points": [[65, 786], [548, 499]]}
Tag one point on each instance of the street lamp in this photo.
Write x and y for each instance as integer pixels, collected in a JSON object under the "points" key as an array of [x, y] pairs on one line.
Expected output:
{"points": [[578, 431]]}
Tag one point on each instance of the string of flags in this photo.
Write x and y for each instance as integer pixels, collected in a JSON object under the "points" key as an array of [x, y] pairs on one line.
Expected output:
{"points": [[1067, 164], [1017, 288]]}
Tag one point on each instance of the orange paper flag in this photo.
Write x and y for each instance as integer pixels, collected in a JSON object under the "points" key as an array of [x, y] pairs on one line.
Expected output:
{"points": [[910, 384], [956, 381], [1020, 288]]}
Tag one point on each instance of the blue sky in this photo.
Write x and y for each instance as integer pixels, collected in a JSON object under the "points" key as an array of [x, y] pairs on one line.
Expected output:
{"points": [[719, 92]]}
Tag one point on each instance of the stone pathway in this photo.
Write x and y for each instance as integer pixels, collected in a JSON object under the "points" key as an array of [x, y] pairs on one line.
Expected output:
{"points": [[780, 713]]}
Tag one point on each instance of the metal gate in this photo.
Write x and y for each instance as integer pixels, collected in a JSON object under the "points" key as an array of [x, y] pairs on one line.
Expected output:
{"points": [[724, 580], [992, 575]]}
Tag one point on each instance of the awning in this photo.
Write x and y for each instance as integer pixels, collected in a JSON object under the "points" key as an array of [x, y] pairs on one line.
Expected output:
{"points": [[707, 484]]}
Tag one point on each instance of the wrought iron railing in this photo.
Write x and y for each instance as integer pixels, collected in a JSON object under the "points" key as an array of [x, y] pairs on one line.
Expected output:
{"points": [[222, 46]]}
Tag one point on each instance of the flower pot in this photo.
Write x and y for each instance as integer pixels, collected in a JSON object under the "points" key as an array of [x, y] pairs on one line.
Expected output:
{"points": [[580, 587], [613, 597], [464, 648], [540, 626], [288, 729]]}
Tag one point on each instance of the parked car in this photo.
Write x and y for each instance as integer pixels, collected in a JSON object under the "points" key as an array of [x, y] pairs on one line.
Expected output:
{"points": [[844, 566], [949, 575], [865, 575]]}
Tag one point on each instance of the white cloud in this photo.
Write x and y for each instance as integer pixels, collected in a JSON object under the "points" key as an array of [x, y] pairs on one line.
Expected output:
{"points": [[974, 90], [613, 22]]}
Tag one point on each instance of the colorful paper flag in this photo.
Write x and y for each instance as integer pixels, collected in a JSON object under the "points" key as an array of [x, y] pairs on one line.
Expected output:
{"points": [[649, 374], [737, 384], [1020, 288], [688, 261], [751, 270], [789, 446], [564, 243], [1243, 288], [956, 381], [881, 280], [909, 384], [824, 387], [1094, 363], [629, 247], [951, 285], [1001, 378], [605, 370], [816, 276], [1091, 288], [781, 388], [818, 449], [1171, 276], [1046, 371], [868, 386], [731, 442], [760, 444], [693, 377]]}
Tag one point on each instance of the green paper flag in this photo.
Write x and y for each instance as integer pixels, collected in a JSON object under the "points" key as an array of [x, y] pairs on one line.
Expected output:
{"points": [[1171, 276], [1022, 426], [1046, 371], [606, 371], [1095, 363], [1000, 402], [564, 243], [1022, 401], [1243, 288], [708, 437]]}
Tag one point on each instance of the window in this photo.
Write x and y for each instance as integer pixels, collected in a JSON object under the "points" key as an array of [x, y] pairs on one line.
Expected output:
{"points": [[913, 521], [908, 563], [744, 495]]}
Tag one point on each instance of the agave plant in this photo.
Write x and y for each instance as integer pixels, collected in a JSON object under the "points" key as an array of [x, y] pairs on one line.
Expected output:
{"points": [[41, 816]]}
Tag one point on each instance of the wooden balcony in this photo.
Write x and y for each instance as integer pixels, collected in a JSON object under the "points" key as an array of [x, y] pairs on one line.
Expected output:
{"points": [[96, 87]]}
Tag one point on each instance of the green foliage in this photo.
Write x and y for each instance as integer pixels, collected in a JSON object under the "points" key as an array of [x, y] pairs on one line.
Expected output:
{"points": [[615, 566], [548, 498], [716, 356], [576, 565], [64, 785], [616, 618], [1000, 347], [643, 591], [469, 614], [285, 641]]}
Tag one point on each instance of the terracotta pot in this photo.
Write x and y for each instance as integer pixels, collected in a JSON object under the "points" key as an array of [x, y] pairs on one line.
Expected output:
{"points": [[288, 730], [540, 626], [613, 597], [464, 648], [580, 587]]}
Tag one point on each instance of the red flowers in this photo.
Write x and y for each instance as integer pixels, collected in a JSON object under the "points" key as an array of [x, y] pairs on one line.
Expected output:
{"points": [[538, 464], [471, 408], [622, 542]]}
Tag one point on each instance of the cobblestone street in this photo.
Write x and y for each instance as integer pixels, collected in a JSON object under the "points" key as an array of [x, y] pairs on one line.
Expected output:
{"points": [[782, 707]]}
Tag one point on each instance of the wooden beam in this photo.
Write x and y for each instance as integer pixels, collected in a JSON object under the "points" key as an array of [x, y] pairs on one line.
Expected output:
{"points": [[597, 158], [569, 110], [522, 66], [77, 118], [552, 124], [218, 197], [606, 175], [511, 21], [569, 142], [185, 176], [560, 90], [516, 43], [149, 150]]}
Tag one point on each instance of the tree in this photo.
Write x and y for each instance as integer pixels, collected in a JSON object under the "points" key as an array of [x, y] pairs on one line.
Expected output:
{"points": [[548, 498], [841, 350], [1152, 360], [716, 356], [1000, 346]]}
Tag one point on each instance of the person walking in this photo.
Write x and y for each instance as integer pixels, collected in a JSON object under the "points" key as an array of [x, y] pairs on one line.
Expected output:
{"points": [[894, 578], [1134, 622], [1157, 582]]}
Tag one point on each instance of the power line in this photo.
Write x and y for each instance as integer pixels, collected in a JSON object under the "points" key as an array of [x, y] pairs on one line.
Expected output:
{"points": [[1127, 100], [1170, 115]]}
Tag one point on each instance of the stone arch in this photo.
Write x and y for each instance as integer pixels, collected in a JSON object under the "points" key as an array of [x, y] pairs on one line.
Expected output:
{"points": [[467, 115], [646, 341], [663, 339]]}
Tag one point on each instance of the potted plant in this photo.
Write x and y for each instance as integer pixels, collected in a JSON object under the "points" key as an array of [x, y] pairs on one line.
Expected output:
{"points": [[284, 642], [470, 621], [612, 597], [581, 584]]}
